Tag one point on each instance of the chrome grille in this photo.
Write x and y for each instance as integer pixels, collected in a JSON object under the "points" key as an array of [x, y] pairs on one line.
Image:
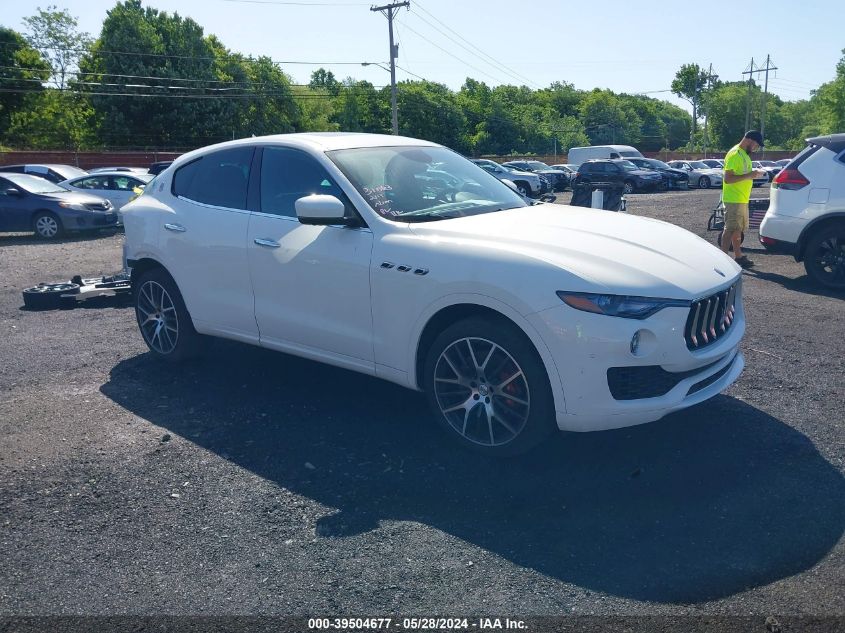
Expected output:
{"points": [[105, 205], [710, 318]]}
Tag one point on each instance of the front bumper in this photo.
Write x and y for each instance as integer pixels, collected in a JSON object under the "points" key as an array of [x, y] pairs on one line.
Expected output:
{"points": [[585, 346], [87, 221]]}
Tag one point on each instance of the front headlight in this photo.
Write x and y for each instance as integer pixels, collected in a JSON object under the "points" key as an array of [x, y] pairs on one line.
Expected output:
{"points": [[72, 205], [624, 306]]}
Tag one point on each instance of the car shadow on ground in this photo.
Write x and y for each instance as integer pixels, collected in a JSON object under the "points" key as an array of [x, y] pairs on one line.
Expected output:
{"points": [[803, 284], [701, 505]]}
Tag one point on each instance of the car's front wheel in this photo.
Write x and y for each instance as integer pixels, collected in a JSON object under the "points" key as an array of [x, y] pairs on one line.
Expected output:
{"points": [[824, 258], [704, 182], [488, 387], [47, 226], [524, 189], [162, 317], [629, 187]]}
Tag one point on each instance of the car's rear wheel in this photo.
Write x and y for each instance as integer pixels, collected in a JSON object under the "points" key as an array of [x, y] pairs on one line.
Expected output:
{"points": [[704, 182], [488, 387], [47, 226], [162, 317], [824, 257]]}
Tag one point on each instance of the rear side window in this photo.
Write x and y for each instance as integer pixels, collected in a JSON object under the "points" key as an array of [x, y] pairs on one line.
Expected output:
{"points": [[289, 174], [220, 179], [93, 182]]}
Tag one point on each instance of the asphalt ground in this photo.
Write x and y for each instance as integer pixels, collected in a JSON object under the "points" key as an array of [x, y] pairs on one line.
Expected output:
{"points": [[254, 483]]}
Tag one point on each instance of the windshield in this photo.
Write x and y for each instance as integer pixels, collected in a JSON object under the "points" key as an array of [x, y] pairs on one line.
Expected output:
{"points": [[699, 165], [34, 184], [536, 164], [630, 153], [68, 171], [658, 164], [418, 184], [627, 165]]}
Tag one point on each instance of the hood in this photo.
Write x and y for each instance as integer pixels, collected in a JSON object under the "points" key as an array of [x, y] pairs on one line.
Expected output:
{"points": [[648, 173], [519, 172], [675, 172], [602, 251], [75, 197]]}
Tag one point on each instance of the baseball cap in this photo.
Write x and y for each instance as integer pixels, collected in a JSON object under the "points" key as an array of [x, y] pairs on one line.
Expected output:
{"points": [[755, 136]]}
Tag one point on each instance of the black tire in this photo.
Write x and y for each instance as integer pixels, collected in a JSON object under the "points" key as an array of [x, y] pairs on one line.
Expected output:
{"points": [[163, 319], [704, 182], [48, 296], [522, 407], [824, 256], [731, 247], [629, 187], [524, 189], [47, 225]]}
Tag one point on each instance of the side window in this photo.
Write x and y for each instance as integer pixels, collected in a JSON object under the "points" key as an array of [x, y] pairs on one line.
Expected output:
{"points": [[124, 183], [94, 182], [219, 179], [5, 184], [289, 174], [614, 155]]}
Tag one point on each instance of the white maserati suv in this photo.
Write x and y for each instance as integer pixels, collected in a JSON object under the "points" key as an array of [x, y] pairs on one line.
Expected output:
{"points": [[514, 318]]}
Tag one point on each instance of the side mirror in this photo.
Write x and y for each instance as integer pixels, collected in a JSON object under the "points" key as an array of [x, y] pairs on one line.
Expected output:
{"points": [[13, 191], [323, 210]]}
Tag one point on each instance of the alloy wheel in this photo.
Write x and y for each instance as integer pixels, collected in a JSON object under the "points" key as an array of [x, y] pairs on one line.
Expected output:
{"points": [[482, 391], [829, 260], [157, 317]]}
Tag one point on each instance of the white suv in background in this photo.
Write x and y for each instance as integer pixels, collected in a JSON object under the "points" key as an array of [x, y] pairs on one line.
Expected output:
{"points": [[514, 317], [806, 216]]}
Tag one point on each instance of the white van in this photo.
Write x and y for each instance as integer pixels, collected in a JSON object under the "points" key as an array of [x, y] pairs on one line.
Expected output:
{"points": [[578, 155]]}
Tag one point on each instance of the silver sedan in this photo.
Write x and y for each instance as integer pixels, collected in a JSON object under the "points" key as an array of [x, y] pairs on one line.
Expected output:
{"points": [[118, 187]]}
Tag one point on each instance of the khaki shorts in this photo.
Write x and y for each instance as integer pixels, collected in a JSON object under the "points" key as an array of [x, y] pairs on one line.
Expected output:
{"points": [[736, 216]]}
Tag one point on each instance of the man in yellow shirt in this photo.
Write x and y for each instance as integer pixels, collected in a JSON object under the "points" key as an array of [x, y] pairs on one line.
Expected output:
{"points": [[736, 190]]}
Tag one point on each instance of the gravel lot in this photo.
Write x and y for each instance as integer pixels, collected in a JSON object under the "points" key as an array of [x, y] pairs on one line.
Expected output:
{"points": [[250, 482]]}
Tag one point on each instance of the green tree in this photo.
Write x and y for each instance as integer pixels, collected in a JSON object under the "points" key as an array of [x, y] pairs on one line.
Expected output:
{"points": [[830, 101], [690, 83], [23, 72], [56, 34], [430, 111], [322, 79], [54, 119], [606, 121]]}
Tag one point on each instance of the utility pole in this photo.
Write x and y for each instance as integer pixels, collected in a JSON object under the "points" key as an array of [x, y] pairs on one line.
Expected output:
{"points": [[709, 80], [389, 10], [765, 94], [749, 72]]}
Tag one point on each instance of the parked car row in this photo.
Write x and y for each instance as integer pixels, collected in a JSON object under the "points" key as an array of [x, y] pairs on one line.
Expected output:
{"points": [[50, 199]]}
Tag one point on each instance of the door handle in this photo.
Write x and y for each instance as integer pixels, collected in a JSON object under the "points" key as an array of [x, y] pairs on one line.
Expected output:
{"points": [[178, 228], [266, 242]]}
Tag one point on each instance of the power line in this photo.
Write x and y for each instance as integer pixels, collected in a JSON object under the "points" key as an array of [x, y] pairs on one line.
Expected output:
{"points": [[465, 63], [302, 4], [477, 51]]}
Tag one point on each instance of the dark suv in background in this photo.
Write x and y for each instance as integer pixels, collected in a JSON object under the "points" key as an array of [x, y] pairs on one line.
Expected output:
{"points": [[621, 172], [672, 178]]}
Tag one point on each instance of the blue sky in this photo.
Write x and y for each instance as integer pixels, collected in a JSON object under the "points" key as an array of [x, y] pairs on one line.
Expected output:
{"points": [[625, 46]]}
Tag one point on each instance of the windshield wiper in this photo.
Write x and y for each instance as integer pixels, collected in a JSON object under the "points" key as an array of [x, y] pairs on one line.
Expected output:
{"points": [[427, 216]]}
